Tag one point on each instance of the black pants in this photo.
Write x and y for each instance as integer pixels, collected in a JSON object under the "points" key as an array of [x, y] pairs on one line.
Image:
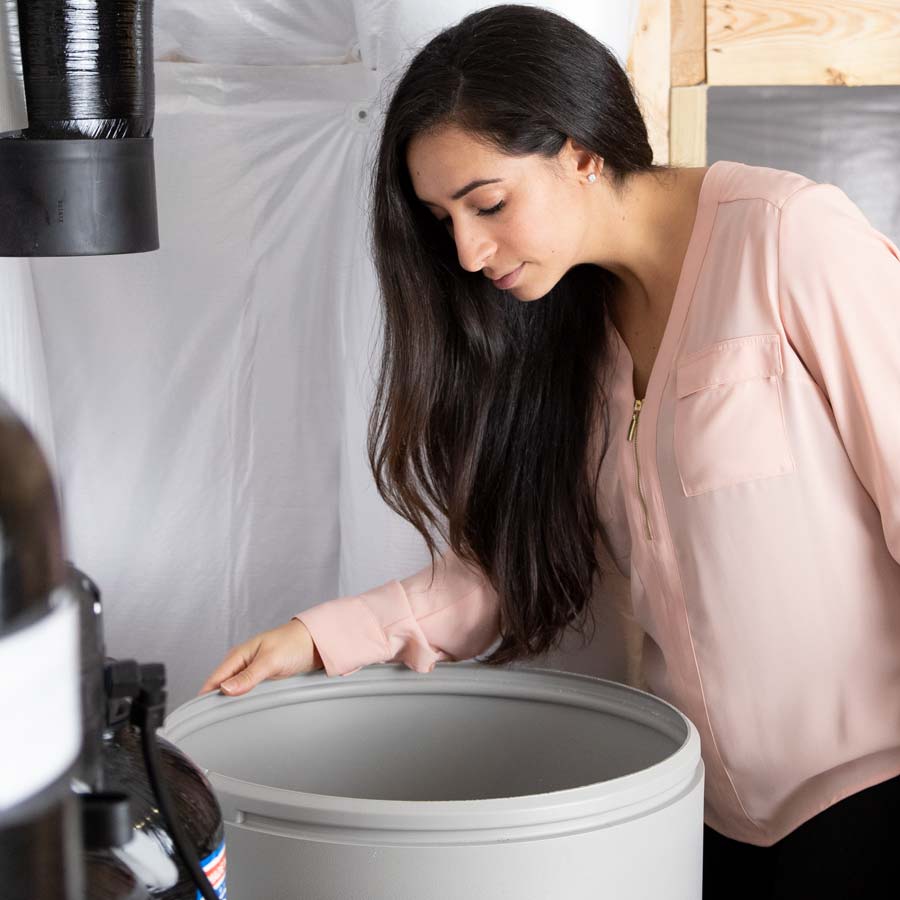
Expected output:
{"points": [[850, 850]]}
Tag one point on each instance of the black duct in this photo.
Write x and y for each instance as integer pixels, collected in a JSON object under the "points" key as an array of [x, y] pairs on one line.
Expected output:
{"points": [[79, 179]]}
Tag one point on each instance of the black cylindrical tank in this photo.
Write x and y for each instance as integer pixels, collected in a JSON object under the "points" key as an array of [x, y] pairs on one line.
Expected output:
{"points": [[113, 761], [195, 804], [106, 824], [40, 817]]}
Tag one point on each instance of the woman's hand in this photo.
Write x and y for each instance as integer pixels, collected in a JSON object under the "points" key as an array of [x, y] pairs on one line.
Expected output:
{"points": [[277, 653]]}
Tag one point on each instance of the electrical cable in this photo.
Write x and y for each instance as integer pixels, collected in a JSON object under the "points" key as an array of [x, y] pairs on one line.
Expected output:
{"points": [[147, 713]]}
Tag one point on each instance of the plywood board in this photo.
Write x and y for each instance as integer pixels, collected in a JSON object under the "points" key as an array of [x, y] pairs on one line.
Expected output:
{"points": [[649, 68], [688, 42], [840, 42]]}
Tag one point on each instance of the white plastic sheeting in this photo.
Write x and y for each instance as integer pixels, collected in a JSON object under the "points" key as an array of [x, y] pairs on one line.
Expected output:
{"points": [[209, 400], [12, 90], [256, 32], [23, 377], [391, 30], [382, 33]]}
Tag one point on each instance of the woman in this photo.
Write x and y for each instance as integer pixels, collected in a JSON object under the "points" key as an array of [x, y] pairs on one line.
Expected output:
{"points": [[697, 367]]}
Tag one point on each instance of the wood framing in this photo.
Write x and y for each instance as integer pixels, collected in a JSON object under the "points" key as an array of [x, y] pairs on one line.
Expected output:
{"points": [[649, 68], [688, 42], [837, 42], [687, 126], [680, 45]]}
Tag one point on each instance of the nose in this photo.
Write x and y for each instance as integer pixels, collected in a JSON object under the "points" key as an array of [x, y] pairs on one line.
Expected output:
{"points": [[474, 246]]}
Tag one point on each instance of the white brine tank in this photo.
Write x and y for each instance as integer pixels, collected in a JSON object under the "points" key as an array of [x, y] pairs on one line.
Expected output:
{"points": [[467, 782]]}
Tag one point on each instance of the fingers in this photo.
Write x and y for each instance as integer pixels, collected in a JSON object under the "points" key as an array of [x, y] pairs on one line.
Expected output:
{"points": [[276, 653], [247, 679], [236, 660]]}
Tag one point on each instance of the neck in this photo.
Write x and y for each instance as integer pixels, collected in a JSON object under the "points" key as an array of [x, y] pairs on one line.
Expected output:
{"points": [[647, 230]]}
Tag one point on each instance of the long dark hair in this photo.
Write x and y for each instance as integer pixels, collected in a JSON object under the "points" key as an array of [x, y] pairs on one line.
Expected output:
{"points": [[485, 404]]}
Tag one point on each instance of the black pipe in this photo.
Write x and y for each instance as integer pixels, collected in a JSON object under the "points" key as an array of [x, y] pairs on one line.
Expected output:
{"points": [[80, 179]]}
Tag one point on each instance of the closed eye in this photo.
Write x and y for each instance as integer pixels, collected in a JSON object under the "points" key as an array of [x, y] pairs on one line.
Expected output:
{"points": [[448, 222], [490, 212]]}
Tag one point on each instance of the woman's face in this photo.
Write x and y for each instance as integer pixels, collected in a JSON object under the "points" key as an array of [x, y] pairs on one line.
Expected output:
{"points": [[530, 217]]}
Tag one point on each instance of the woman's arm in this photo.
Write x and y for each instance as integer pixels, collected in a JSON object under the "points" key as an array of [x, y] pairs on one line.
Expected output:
{"points": [[839, 287], [417, 621]]}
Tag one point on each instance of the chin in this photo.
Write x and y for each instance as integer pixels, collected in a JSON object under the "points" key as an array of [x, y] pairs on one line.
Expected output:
{"points": [[528, 293]]}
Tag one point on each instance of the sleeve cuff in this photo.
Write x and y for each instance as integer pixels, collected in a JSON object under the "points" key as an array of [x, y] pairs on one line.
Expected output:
{"points": [[346, 634]]}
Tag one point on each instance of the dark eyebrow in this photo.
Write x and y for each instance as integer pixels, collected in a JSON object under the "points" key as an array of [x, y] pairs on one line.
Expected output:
{"points": [[469, 187]]}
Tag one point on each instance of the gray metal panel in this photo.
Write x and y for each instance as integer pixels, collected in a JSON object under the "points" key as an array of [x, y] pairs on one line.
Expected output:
{"points": [[840, 135]]}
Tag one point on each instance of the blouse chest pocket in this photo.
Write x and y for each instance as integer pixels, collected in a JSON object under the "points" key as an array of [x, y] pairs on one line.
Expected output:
{"points": [[729, 418]]}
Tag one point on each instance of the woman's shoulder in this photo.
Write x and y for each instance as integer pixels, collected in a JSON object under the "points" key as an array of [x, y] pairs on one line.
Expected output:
{"points": [[739, 181]]}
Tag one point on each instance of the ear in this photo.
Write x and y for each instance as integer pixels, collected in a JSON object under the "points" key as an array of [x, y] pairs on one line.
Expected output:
{"points": [[579, 160]]}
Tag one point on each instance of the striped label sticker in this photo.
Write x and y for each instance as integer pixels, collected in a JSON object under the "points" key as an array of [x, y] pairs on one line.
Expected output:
{"points": [[214, 867]]}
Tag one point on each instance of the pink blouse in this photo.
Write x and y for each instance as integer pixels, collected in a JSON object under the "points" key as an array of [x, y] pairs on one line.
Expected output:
{"points": [[752, 498]]}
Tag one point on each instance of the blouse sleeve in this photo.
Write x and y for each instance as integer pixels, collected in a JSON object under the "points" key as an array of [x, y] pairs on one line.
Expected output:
{"points": [[839, 287], [418, 621]]}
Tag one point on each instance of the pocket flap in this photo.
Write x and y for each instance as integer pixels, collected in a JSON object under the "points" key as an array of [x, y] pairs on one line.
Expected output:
{"points": [[727, 362]]}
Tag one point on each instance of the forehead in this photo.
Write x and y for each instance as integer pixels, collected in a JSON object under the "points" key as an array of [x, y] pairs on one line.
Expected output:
{"points": [[442, 161], [449, 142]]}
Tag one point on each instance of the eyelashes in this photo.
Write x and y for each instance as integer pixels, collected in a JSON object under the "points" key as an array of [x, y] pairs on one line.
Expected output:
{"points": [[490, 212], [448, 222]]}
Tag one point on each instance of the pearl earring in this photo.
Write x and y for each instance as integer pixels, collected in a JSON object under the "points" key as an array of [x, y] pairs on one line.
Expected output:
{"points": [[592, 177]]}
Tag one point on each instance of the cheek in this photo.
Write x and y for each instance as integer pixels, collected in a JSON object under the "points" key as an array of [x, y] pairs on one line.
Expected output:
{"points": [[544, 232], [535, 236]]}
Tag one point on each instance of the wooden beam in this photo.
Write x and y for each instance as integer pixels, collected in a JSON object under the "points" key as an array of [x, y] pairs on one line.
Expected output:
{"points": [[688, 42], [687, 126], [839, 42], [649, 66]]}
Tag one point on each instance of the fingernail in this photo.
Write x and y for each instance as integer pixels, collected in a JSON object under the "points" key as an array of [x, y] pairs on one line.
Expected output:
{"points": [[227, 686]]}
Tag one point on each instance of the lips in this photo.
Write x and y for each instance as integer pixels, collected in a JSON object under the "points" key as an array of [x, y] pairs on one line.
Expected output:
{"points": [[509, 279]]}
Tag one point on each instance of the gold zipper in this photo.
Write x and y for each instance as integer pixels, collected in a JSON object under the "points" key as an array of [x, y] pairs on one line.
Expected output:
{"points": [[632, 439]]}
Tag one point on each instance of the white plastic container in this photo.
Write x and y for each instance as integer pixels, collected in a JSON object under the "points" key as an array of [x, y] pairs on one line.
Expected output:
{"points": [[468, 782]]}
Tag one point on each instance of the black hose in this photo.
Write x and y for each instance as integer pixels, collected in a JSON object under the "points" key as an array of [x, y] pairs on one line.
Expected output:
{"points": [[147, 714]]}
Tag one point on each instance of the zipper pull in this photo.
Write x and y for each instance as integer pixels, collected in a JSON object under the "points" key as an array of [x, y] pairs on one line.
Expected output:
{"points": [[634, 419]]}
